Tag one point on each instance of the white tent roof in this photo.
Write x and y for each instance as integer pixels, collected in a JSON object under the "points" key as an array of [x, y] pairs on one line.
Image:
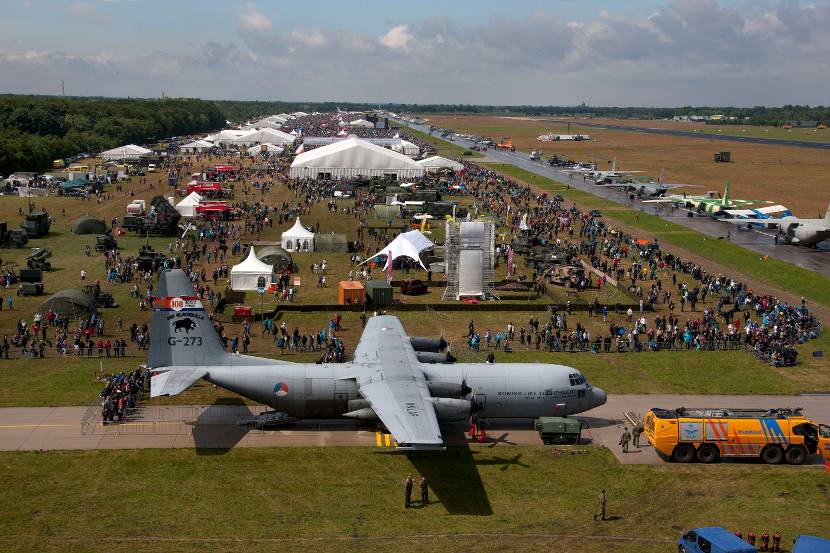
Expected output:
{"points": [[299, 114], [198, 144], [253, 150], [191, 199], [130, 151], [409, 244], [245, 275], [263, 136], [438, 162], [355, 154], [252, 264], [362, 123], [298, 231]]}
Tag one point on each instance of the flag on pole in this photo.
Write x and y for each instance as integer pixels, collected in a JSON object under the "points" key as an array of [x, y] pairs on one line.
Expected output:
{"points": [[389, 268], [509, 261]]}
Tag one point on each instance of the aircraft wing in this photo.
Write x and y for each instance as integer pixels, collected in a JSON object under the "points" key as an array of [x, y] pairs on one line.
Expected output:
{"points": [[389, 378], [175, 381]]}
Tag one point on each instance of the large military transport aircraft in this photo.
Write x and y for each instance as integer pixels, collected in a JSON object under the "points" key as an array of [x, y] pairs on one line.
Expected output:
{"points": [[393, 378]]}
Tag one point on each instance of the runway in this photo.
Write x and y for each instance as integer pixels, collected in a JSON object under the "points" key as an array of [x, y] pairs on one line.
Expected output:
{"points": [[806, 258], [690, 134], [59, 428]]}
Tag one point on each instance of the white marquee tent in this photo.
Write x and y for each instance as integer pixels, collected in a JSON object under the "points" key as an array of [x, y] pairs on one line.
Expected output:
{"points": [[196, 146], [267, 147], [354, 157], [297, 239], [262, 136], [409, 244], [187, 207], [245, 276], [123, 153], [226, 135], [437, 162]]}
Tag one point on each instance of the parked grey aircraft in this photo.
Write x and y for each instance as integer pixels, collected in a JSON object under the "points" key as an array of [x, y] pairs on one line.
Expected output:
{"points": [[646, 189], [801, 232], [393, 378]]}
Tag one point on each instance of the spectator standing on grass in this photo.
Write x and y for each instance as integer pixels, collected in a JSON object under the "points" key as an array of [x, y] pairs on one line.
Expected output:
{"points": [[10, 302]]}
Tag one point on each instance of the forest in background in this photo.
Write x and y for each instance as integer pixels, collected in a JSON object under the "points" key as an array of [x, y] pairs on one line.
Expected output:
{"points": [[36, 130]]}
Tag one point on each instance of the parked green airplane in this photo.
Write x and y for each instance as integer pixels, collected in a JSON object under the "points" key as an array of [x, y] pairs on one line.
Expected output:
{"points": [[712, 203]]}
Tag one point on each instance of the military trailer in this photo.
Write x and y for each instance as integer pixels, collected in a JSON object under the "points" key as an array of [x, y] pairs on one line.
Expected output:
{"points": [[568, 276], [37, 224], [30, 289], [558, 430]]}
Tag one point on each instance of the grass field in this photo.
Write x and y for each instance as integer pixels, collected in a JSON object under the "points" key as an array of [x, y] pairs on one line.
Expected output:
{"points": [[794, 177], [509, 498], [786, 276]]}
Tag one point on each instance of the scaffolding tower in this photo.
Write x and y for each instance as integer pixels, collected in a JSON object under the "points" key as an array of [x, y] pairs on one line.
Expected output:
{"points": [[457, 242]]}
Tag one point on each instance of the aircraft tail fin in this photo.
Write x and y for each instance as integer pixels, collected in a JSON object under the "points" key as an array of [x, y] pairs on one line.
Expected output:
{"points": [[726, 194], [614, 165], [827, 217], [661, 179], [182, 333]]}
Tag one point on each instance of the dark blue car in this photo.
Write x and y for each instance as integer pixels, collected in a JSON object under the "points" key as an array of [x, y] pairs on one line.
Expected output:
{"points": [[712, 539]]}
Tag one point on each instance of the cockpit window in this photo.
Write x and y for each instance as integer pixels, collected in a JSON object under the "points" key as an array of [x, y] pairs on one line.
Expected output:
{"points": [[576, 379]]}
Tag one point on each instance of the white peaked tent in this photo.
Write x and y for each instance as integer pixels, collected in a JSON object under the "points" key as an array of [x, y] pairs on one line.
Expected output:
{"points": [[226, 135], [122, 153], [263, 136], [267, 147], [362, 123], [298, 239], [354, 157], [409, 244], [437, 162], [187, 207], [245, 276]]}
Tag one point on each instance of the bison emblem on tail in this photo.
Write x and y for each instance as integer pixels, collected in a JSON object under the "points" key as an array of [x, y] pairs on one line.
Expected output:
{"points": [[187, 324]]}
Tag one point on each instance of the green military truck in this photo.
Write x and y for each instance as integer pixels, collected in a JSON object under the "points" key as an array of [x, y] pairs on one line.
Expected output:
{"points": [[558, 430]]}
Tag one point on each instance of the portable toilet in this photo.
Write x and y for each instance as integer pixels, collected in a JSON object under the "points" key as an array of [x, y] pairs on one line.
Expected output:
{"points": [[350, 292]]}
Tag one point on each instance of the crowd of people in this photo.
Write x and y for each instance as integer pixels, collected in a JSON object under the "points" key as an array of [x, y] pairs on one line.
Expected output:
{"points": [[122, 392]]}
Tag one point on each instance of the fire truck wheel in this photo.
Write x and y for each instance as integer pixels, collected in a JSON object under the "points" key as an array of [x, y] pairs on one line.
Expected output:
{"points": [[772, 454], [796, 455], [684, 453], [707, 453]]}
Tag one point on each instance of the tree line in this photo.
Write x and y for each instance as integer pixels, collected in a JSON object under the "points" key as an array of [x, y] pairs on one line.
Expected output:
{"points": [[36, 130]]}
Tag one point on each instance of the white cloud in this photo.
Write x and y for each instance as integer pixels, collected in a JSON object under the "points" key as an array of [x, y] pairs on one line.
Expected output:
{"points": [[310, 37], [253, 20], [684, 53], [397, 37]]}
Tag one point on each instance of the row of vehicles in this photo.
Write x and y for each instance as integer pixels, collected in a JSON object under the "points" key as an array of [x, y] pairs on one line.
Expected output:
{"points": [[715, 539]]}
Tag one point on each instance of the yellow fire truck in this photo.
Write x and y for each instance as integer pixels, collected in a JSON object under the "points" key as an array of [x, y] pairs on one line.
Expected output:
{"points": [[775, 435]]}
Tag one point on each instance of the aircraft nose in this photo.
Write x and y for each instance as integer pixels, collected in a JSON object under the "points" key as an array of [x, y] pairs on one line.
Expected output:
{"points": [[600, 397]]}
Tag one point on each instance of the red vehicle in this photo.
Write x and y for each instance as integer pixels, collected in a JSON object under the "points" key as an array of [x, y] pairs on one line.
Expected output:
{"points": [[209, 189], [215, 210]]}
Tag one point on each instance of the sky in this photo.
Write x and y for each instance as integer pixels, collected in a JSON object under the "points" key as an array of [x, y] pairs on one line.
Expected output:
{"points": [[506, 52]]}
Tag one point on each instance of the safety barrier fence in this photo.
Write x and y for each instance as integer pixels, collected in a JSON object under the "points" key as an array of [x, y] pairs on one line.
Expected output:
{"points": [[174, 419]]}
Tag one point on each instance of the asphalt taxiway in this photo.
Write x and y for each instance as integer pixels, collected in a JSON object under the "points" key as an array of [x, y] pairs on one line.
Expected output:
{"points": [[59, 428]]}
